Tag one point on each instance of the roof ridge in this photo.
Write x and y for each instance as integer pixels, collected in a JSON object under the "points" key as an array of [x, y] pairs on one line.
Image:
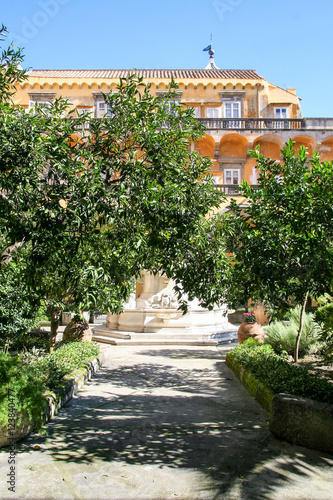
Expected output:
{"points": [[142, 69]]}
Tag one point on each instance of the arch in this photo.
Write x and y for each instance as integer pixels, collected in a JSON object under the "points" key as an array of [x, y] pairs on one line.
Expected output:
{"points": [[75, 86], [64, 86], [94, 86], [46, 86], [104, 86], [269, 145], [326, 149], [205, 146], [304, 140], [250, 171], [84, 85], [191, 86], [55, 86], [248, 86], [239, 86], [229, 86], [210, 86], [233, 146], [182, 86], [220, 86], [161, 86]]}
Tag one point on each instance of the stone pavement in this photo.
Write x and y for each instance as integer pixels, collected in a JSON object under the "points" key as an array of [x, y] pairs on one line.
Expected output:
{"points": [[164, 423]]}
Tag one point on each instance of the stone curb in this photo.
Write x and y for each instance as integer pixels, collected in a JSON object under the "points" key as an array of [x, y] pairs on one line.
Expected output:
{"points": [[298, 420], [258, 390], [55, 400]]}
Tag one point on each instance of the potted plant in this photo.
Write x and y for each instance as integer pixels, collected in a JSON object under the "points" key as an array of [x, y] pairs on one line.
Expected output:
{"points": [[250, 328]]}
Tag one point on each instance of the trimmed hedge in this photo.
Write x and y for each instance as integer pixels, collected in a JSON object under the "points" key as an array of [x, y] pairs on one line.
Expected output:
{"points": [[279, 375], [30, 378]]}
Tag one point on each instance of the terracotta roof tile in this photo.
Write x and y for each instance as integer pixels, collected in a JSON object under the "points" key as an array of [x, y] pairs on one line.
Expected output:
{"points": [[244, 74]]}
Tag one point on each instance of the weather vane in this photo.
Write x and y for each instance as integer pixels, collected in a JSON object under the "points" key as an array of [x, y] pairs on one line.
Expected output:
{"points": [[211, 52]]}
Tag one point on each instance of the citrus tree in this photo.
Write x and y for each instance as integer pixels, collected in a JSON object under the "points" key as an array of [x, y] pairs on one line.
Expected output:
{"points": [[281, 242], [90, 210]]}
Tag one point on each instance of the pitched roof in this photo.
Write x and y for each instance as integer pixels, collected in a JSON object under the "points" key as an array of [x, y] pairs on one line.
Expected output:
{"points": [[244, 74]]}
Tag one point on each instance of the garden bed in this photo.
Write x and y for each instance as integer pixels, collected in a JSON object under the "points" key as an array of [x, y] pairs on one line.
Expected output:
{"points": [[317, 366], [300, 405], [33, 392]]}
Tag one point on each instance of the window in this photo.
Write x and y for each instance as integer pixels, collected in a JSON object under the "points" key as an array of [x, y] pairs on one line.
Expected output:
{"points": [[213, 112], [196, 112], [171, 107], [103, 110], [41, 99], [84, 111], [232, 110], [233, 107], [280, 113], [232, 177]]}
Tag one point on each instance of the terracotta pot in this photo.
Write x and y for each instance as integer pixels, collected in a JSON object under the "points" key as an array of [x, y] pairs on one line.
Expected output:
{"points": [[253, 330], [79, 330]]}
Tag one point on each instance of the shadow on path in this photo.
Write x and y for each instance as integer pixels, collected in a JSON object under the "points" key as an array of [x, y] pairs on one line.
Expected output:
{"points": [[182, 409]]}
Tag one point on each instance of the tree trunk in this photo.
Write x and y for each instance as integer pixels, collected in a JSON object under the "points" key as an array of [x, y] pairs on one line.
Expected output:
{"points": [[55, 316], [300, 329]]}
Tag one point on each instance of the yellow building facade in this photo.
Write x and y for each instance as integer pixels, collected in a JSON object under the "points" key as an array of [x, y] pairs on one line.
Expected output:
{"points": [[239, 108]]}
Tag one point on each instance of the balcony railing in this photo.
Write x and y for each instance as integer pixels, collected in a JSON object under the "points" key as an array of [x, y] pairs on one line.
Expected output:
{"points": [[232, 189], [253, 123], [278, 124], [267, 123]]}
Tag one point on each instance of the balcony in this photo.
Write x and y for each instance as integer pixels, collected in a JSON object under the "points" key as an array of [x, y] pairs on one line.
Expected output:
{"points": [[267, 124], [232, 189], [243, 125]]}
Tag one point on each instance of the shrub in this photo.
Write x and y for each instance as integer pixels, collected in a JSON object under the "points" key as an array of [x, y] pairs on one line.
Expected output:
{"points": [[18, 307], [279, 375], [32, 376], [324, 315], [282, 337]]}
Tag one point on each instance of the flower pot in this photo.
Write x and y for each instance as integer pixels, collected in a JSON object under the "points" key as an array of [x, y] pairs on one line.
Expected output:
{"points": [[79, 330], [250, 330]]}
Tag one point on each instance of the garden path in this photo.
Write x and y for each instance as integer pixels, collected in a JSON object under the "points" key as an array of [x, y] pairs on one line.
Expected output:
{"points": [[163, 423]]}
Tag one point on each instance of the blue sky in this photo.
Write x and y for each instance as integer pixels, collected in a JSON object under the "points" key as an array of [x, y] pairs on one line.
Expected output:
{"points": [[289, 42]]}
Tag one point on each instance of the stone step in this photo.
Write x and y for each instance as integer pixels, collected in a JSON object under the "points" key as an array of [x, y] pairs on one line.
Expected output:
{"points": [[115, 337], [138, 341]]}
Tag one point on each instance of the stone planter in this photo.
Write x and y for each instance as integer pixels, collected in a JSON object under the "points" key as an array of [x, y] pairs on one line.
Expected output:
{"points": [[250, 330]]}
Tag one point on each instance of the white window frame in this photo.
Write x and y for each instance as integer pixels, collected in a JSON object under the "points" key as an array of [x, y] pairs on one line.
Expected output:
{"points": [[99, 104], [233, 185], [213, 112], [282, 108], [233, 105], [103, 109], [284, 115], [42, 99], [229, 97]]}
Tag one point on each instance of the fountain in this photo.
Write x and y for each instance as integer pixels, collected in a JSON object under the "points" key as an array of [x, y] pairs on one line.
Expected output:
{"points": [[153, 318]]}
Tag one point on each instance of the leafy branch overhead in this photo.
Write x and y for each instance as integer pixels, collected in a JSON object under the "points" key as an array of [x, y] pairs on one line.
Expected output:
{"points": [[90, 210]]}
